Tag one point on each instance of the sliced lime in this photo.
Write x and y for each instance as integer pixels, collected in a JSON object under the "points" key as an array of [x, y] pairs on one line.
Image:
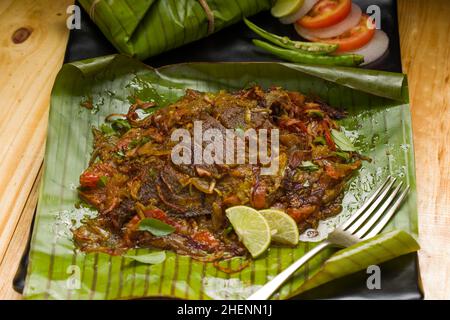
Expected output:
{"points": [[284, 8], [283, 228], [251, 227]]}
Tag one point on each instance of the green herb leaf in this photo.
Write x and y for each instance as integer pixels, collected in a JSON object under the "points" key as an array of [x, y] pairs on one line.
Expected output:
{"points": [[320, 140], [138, 142], [133, 143], [102, 182], [149, 258], [119, 154], [228, 229], [121, 125], [152, 173], [149, 110], [315, 113], [309, 166], [343, 155], [106, 129], [342, 141], [155, 227]]}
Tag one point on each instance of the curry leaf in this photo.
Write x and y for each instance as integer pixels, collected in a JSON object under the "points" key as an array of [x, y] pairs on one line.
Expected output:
{"points": [[103, 181], [156, 227], [155, 257], [106, 129], [119, 154], [228, 229], [343, 155], [320, 140], [121, 125], [342, 141], [315, 113], [309, 166]]}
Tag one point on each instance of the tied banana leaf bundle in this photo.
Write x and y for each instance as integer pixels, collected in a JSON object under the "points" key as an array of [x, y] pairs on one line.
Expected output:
{"points": [[145, 28]]}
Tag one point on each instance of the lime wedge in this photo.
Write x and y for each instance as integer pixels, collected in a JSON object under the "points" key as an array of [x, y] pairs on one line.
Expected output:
{"points": [[251, 227], [284, 8], [283, 228]]}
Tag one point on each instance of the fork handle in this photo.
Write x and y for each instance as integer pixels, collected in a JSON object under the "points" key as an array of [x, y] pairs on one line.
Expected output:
{"points": [[273, 285]]}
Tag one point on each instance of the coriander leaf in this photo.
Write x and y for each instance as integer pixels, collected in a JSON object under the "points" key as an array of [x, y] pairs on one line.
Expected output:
{"points": [[228, 229], [309, 166], [343, 155], [155, 227], [106, 129], [119, 154], [152, 173], [121, 124], [342, 141], [155, 257], [144, 140], [138, 142], [149, 110], [315, 113], [320, 140], [134, 143], [102, 181]]}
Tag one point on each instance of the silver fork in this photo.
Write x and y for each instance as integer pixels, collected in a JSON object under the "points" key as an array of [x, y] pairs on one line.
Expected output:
{"points": [[365, 223]]}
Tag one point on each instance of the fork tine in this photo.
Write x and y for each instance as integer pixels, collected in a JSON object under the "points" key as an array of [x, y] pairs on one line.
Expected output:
{"points": [[384, 221], [377, 215], [358, 223], [368, 202]]}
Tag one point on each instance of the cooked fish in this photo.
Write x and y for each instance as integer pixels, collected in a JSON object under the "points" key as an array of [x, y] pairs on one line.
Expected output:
{"points": [[132, 177]]}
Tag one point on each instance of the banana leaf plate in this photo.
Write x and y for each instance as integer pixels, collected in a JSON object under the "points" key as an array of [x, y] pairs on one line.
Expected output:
{"points": [[379, 123]]}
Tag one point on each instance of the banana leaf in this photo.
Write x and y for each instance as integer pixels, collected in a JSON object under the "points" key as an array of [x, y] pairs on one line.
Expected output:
{"points": [[378, 123], [144, 28]]}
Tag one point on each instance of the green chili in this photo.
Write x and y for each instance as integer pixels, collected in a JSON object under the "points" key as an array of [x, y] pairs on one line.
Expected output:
{"points": [[348, 60], [284, 42]]}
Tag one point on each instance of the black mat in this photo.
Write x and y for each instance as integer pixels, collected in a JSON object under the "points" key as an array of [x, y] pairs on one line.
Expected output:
{"points": [[399, 277]]}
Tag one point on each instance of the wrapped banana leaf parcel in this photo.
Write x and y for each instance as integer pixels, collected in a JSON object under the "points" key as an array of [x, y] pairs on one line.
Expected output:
{"points": [[145, 28]]}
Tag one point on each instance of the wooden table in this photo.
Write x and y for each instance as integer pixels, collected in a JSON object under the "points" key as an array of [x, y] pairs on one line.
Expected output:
{"points": [[28, 67]]}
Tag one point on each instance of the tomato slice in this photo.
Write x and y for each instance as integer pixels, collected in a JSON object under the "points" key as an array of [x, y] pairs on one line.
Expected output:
{"points": [[91, 177], [302, 213], [354, 38], [326, 13], [156, 214], [206, 239]]}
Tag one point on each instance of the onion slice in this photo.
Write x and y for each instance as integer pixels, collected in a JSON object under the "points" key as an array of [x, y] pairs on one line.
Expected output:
{"points": [[375, 49], [306, 7], [353, 18]]}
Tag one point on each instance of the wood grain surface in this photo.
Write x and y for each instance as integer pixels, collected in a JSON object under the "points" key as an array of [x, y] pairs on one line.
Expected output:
{"points": [[28, 69], [425, 45]]}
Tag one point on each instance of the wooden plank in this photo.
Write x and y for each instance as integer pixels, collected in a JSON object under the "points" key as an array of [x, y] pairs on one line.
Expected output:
{"points": [[28, 69], [424, 35], [424, 29], [18, 244]]}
